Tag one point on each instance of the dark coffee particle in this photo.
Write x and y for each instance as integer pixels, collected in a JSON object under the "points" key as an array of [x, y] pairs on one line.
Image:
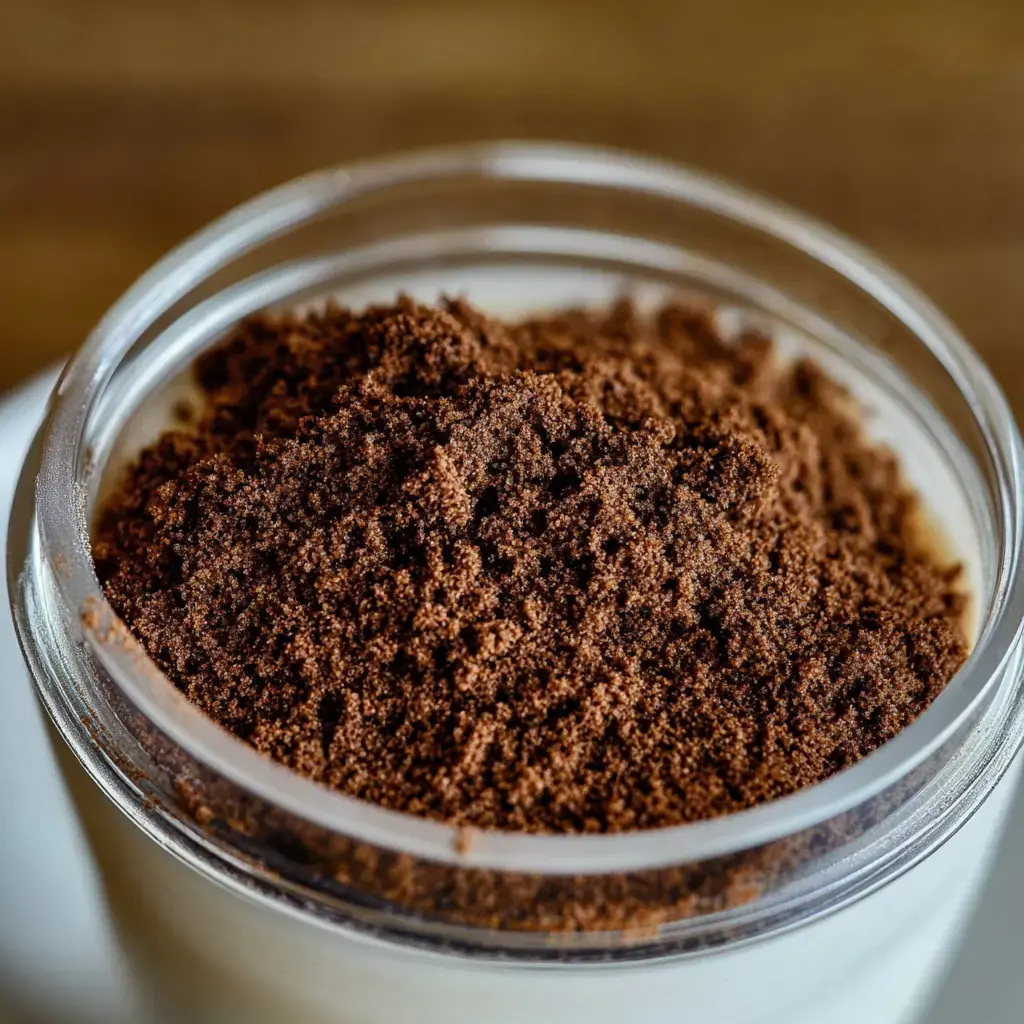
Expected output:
{"points": [[578, 574]]}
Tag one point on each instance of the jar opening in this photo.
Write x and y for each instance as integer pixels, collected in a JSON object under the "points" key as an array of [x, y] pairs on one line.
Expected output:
{"points": [[258, 257]]}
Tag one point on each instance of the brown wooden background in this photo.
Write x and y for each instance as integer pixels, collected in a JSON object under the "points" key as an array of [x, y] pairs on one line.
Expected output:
{"points": [[125, 124]]}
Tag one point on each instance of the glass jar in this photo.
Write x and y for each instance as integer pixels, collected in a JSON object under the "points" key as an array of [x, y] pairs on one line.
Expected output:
{"points": [[245, 892]]}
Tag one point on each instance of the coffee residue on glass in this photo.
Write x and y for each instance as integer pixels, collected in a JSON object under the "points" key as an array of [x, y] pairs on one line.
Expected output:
{"points": [[582, 573]]}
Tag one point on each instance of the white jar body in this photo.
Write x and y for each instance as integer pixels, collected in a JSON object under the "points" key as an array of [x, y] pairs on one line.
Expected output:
{"points": [[202, 953]]}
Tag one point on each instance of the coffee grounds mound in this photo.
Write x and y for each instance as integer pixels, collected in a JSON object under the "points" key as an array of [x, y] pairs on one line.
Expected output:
{"points": [[585, 573]]}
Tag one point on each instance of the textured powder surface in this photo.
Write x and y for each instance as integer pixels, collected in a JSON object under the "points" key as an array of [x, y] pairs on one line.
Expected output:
{"points": [[594, 572]]}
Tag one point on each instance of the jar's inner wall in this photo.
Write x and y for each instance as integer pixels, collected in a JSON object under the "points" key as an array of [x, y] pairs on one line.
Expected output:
{"points": [[895, 414]]}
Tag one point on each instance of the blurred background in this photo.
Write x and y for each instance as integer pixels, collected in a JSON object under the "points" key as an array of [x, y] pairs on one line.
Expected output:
{"points": [[127, 124]]}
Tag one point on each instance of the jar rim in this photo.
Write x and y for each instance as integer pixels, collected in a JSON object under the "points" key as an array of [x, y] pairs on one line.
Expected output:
{"points": [[60, 513]]}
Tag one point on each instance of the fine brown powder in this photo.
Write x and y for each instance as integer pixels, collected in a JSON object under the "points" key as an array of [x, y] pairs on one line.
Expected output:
{"points": [[592, 572]]}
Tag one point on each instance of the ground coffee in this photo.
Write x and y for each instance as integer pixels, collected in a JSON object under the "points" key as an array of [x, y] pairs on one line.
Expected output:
{"points": [[581, 573]]}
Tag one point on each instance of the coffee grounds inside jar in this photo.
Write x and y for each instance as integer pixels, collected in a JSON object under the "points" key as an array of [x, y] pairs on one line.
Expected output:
{"points": [[584, 573]]}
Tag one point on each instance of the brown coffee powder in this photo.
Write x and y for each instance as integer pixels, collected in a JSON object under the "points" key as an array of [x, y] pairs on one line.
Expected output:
{"points": [[584, 573]]}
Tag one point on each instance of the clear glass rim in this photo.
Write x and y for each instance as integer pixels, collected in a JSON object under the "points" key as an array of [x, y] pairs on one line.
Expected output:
{"points": [[61, 519]]}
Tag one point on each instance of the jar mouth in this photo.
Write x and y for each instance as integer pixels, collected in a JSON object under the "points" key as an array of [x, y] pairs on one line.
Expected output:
{"points": [[60, 511]]}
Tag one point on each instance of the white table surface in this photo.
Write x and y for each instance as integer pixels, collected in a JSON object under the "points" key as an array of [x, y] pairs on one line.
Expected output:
{"points": [[58, 957]]}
